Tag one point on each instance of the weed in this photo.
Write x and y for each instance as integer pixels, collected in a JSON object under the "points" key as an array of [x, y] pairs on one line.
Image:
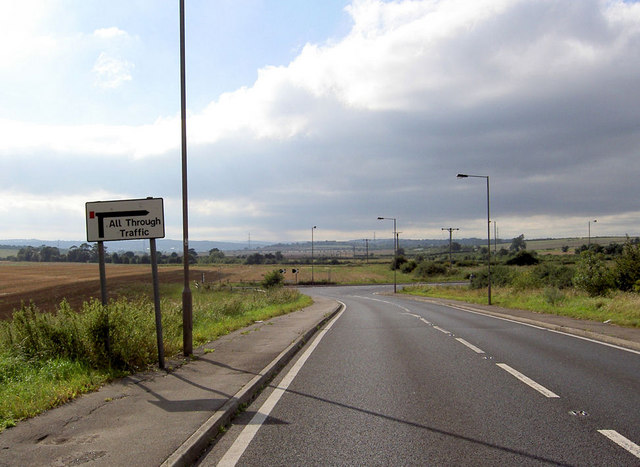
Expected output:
{"points": [[47, 359]]}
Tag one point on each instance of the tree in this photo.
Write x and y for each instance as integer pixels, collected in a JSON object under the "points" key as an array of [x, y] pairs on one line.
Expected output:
{"points": [[523, 258], [397, 262], [81, 254], [255, 258], [592, 274], [627, 269], [518, 243], [193, 256]]}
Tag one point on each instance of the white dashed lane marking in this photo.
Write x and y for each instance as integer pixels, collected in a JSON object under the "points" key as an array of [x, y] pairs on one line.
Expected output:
{"points": [[528, 381]]}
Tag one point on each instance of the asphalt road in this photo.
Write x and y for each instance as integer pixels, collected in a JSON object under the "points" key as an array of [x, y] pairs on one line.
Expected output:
{"points": [[400, 382]]}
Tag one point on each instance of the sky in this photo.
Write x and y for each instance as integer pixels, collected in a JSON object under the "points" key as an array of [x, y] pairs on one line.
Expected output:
{"points": [[327, 113]]}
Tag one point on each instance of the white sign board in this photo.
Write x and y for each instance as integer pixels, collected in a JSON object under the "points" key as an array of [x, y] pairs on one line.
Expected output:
{"points": [[129, 219]]}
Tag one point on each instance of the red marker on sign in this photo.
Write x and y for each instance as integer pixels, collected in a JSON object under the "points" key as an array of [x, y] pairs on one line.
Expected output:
{"points": [[92, 214]]}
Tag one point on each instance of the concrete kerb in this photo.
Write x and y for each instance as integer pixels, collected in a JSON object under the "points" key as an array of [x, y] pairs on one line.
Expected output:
{"points": [[554, 327], [195, 445]]}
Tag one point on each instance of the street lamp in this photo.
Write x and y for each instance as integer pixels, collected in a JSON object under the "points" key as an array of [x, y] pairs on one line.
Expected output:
{"points": [[589, 238], [488, 233], [187, 301], [395, 249], [312, 229]]}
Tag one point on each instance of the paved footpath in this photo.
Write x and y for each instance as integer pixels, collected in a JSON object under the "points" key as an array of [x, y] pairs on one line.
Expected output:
{"points": [[164, 418]]}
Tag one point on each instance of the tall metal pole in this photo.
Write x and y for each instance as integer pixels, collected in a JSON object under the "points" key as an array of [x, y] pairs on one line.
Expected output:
{"points": [[488, 245], [395, 255], [395, 250], [312, 229], [488, 233], [589, 238], [187, 305]]}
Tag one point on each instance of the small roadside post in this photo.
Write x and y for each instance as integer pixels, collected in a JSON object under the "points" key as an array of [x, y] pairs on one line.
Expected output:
{"points": [[131, 219]]}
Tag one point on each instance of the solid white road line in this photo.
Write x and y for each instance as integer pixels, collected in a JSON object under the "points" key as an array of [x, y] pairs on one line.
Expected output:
{"points": [[575, 336], [468, 344], [241, 443], [528, 381], [621, 441]]}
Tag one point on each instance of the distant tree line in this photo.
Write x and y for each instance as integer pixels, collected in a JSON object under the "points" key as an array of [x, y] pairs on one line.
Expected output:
{"points": [[86, 253]]}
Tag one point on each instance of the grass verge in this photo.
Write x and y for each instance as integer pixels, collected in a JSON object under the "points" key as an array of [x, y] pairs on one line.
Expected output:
{"points": [[47, 359], [619, 308]]}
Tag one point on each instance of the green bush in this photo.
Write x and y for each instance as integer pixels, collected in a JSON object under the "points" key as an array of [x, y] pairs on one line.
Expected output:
{"points": [[627, 268], [398, 262], [501, 276], [430, 268], [592, 274], [273, 279], [523, 258], [408, 267], [559, 276]]}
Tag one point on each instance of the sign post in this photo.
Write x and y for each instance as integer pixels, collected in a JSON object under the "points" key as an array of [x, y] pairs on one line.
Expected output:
{"points": [[131, 219]]}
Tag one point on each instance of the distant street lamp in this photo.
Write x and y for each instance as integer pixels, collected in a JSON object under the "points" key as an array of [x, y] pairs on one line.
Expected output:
{"points": [[395, 250], [312, 229], [488, 233], [450, 229], [589, 238]]}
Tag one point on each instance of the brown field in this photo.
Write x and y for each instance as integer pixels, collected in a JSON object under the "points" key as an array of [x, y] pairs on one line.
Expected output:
{"points": [[47, 284]]}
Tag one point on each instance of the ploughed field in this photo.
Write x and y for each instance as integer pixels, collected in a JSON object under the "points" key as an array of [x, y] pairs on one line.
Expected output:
{"points": [[47, 284]]}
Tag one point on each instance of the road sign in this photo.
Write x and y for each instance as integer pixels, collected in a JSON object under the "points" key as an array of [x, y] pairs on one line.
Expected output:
{"points": [[130, 219]]}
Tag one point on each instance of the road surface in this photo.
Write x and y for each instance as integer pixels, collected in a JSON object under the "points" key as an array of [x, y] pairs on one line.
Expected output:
{"points": [[394, 381]]}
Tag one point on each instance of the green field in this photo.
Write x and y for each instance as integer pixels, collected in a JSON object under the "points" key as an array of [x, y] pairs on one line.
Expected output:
{"points": [[6, 252]]}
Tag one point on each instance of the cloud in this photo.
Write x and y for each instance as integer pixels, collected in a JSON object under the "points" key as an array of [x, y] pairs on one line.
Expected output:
{"points": [[110, 33], [540, 95], [111, 72]]}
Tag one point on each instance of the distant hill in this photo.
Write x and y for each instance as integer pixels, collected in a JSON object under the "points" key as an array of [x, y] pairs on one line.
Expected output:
{"points": [[163, 245]]}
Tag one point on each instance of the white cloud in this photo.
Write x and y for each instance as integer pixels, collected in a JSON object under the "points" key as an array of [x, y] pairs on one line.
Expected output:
{"points": [[110, 33], [541, 95], [90, 140], [21, 33], [112, 72]]}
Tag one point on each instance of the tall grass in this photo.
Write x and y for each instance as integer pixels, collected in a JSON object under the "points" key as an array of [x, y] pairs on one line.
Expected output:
{"points": [[619, 308], [48, 358]]}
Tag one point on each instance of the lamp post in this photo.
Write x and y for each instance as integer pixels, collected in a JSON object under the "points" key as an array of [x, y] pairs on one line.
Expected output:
{"points": [[395, 249], [488, 233], [312, 229], [187, 304], [450, 229], [589, 238]]}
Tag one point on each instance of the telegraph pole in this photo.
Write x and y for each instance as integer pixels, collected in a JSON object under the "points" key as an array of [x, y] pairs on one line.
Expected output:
{"points": [[450, 229]]}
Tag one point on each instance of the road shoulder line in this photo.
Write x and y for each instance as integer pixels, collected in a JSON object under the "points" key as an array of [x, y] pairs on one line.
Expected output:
{"points": [[191, 449], [612, 341]]}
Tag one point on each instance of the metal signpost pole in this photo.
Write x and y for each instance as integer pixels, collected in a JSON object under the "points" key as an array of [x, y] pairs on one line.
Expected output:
{"points": [[103, 274], [156, 301], [103, 294]]}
